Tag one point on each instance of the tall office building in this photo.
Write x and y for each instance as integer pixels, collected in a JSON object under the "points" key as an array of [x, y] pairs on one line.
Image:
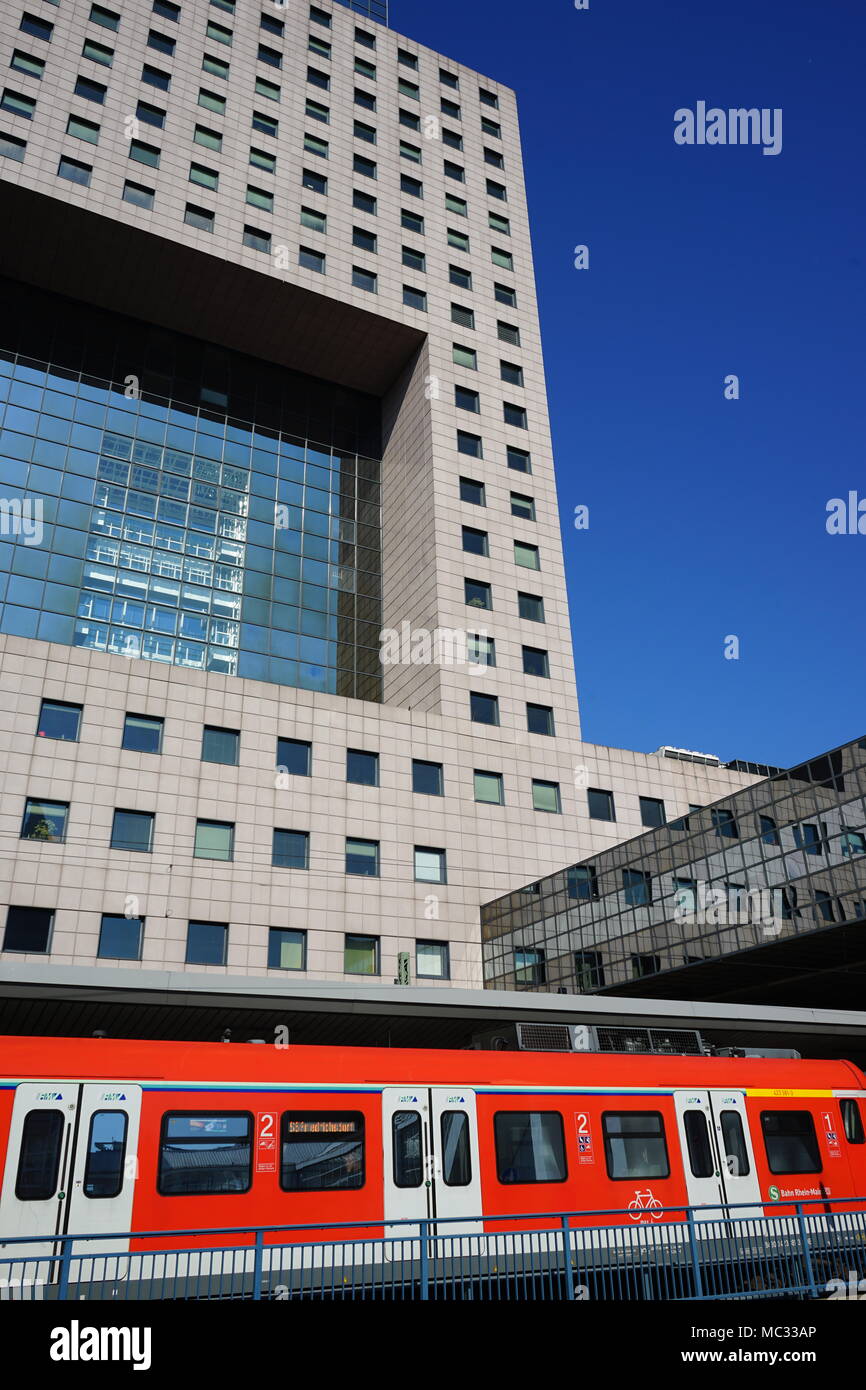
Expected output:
{"points": [[287, 673]]}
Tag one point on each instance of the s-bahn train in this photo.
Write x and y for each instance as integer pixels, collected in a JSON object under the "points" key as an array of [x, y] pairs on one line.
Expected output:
{"points": [[102, 1135]]}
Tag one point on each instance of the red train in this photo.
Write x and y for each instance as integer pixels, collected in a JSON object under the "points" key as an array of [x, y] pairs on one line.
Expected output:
{"points": [[99, 1135]]}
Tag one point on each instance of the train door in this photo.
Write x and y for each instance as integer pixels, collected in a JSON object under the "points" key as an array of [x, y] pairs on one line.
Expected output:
{"points": [[431, 1157], [718, 1158], [70, 1164]]}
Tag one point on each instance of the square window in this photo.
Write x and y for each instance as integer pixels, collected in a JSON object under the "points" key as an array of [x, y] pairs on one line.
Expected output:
{"points": [[154, 77], [494, 158], [427, 778], [531, 607], [454, 171], [137, 194], [455, 204], [530, 969], [362, 768], [76, 172], [291, 849], [318, 79], [365, 99], [363, 202], [535, 662], [364, 240], [361, 955], [600, 804], [207, 178], [317, 111], [272, 25], [491, 127], [652, 811], [478, 594], [362, 857], [545, 797], [220, 745], [59, 720], [473, 492], [414, 299], [469, 444], [20, 105], [539, 719], [33, 67], [120, 937], [211, 139], [498, 223], [260, 159], [212, 101], [294, 757], [483, 708], [521, 506], [511, 372], [151, 115], [142, 734], [480, 650], [364, 279], [527, 556], [412, 222], [474, 542], [415, 260], [28, 929], [362, 165], [464, 356], [508, 333], [497, 190], [464, 399], [316, 183], [430, 865], [505, 294], [364, 132], [206, 943], [457, 275], [198, 217], [413, 187], [313, 145], [519, 460], [316, 221], [489, 788], [133, 831], [462, 315], [287, 949], [431, 960], [410, 119], [214, 840], [45, 821], [452, 139]]}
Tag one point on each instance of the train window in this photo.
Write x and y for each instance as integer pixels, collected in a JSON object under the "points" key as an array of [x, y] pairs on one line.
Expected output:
{"points": [[322, 1150], [530, 1146], [456, 1157], [634, 1145], [39, 1159], [698, 1144], [406, 1143], [203, 1151], [106, 1150], [734, 1140], [790, 1140], [852, 1121]]}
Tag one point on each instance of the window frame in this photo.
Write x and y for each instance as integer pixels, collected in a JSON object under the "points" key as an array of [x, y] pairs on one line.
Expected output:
{"points": [[209, 1115]]}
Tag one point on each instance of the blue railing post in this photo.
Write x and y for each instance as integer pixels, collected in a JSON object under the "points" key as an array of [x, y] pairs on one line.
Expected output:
{"points": [[566, 1256], [807, 1253], [425, 1262], [258, 1262], [65, 1262], [696, 1264]]}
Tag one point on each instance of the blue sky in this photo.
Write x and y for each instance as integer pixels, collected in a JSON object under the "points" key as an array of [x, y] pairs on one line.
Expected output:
{"points": [[707, 516]]}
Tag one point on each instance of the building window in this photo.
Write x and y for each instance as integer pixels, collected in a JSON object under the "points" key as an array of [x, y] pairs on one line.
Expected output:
{"points": [[808, 839], [473, 492], [414, 187], [257, 240], [494, 158], [511, 372], [652, 811], [287, 949], [449, 79], [414, 299], [362, 858], [28, 929], [166, 9], [294, 756], [362, 165], [206, 944], [769, 830], [316, 221], [824, 904], [290, 849], [161, 43], [365, 69], [431, 960], [215, 66], [133, 831], [529, 966], [362, 768], [456, 205], [260, 198], [790, 1141], [270, 56], [497, 190], [522, 506], [409, 89], [365, 99], [634, 1145], [317, 112], [414, 260], [76, 172], [469, 444], [45, 820], [311, 259], [601, 805], [39, 28], [151, 115], [98, 53], [266, 125], [206, 178], [211, 139], [458, 276], [429, 865], [314, 145], [480, 650], [143, 153], [450, 108], [531, 607], [211, 101], [483, 709], [499, 224], [270, 90], [464, 399], [364, 203], [588, 971], [137, 194], [120, 937], [489, 788], [318, 16], [59, 720], [260, 159], [198, 217], [452, 138], [535, 662], [853, 842], [508, 333], [17, 104], [365, 279], [427, 778], [220, 745], [546, 797], [637, 887], [361, 955], [463, 315], [155, 77], [539, 719], [474, 542], [725, 825], [527, 556], [214, 840], [514, 415], [478, 594], [142, 734], [364, 132], [35, 67]]}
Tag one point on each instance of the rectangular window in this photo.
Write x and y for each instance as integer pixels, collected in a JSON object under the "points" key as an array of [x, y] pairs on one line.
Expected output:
{"points": [[527, 556], [98, 53], [45, 821], [412, 222], [151, 115], [39, 28], [483, 708], [266, 125], [469, 444], [634, 1145], [39, 1157], [498, 223], [142, 734], [260, 159], [539, 720], [291, 849], [464, 399], [316, 221], [364, 202], [59, 720], [364, 279], [365, 69], [531, 607], [430, 866], [530, 1146], [725, 825], [454, 171], [318, 79], [144, 154], [478, 594], [120, 937], [432, 963], [133, 831], [546, 797], [362, 858], [497, 190], [463, 315], [211, 139], [414, 187], [427, 778], [362, 768], [33, 67], [514, 415], [214, 840], [637, 887], [294, 757], [257, 240], [790, 1141], [601, 805], [452, 139], [410, 152], [409, 89], [321, 1151], [215, 66], [365, 99], [512, 373], [287, 949], [202, 218], [220, 745], [474, 541], [364, 240], [508, 333], [364, 132], [364, 166], [652, 811], [489, 788], [260, 198], [458, 276], [456, 205], [313, 145], [317, 111], [471, 491], [808, 839], [74, 171], [270, 56], [20, 105], [155, 77], [450, 108], [137, 194], [522, 506], [316, 183], [211, 101], [448, 79], [28, 929], [161, 43], [205, 1153], [852, 1120], [366, 40], [361, 955], [106, 1150], [206, 178], [167, 9], [206, 943], [588, 970], [415, 260]]}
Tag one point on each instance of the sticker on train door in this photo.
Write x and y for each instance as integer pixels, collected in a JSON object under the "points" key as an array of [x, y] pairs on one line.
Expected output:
{"points": [[584, 1138], [831, 1134], [266, 1141]]}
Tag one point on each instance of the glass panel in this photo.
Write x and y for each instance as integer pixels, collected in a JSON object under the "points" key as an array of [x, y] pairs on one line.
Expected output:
{"points": [[120, 937], [106, 1149], [408, 1154], [321, 1151], [456, 1156], [45, 820], [39, 1159], [734, 1141], [530, 1147], [634, 1144], [204, 1153], [142, 735], [698, 1143], [791, 1142]]}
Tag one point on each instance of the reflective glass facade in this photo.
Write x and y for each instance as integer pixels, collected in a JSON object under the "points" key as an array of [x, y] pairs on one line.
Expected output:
{"points": [[778, 860], [189, 506], [369, 9]]}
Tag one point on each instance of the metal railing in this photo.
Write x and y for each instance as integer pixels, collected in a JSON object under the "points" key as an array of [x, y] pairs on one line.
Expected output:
{"points": [[673, 1253]]}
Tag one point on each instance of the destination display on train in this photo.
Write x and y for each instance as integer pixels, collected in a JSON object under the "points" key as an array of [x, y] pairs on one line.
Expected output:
{"points": [[321, 1127]]}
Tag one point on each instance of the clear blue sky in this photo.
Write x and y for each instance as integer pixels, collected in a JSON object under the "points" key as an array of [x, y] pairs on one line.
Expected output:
{"points": [[707, 516]]}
